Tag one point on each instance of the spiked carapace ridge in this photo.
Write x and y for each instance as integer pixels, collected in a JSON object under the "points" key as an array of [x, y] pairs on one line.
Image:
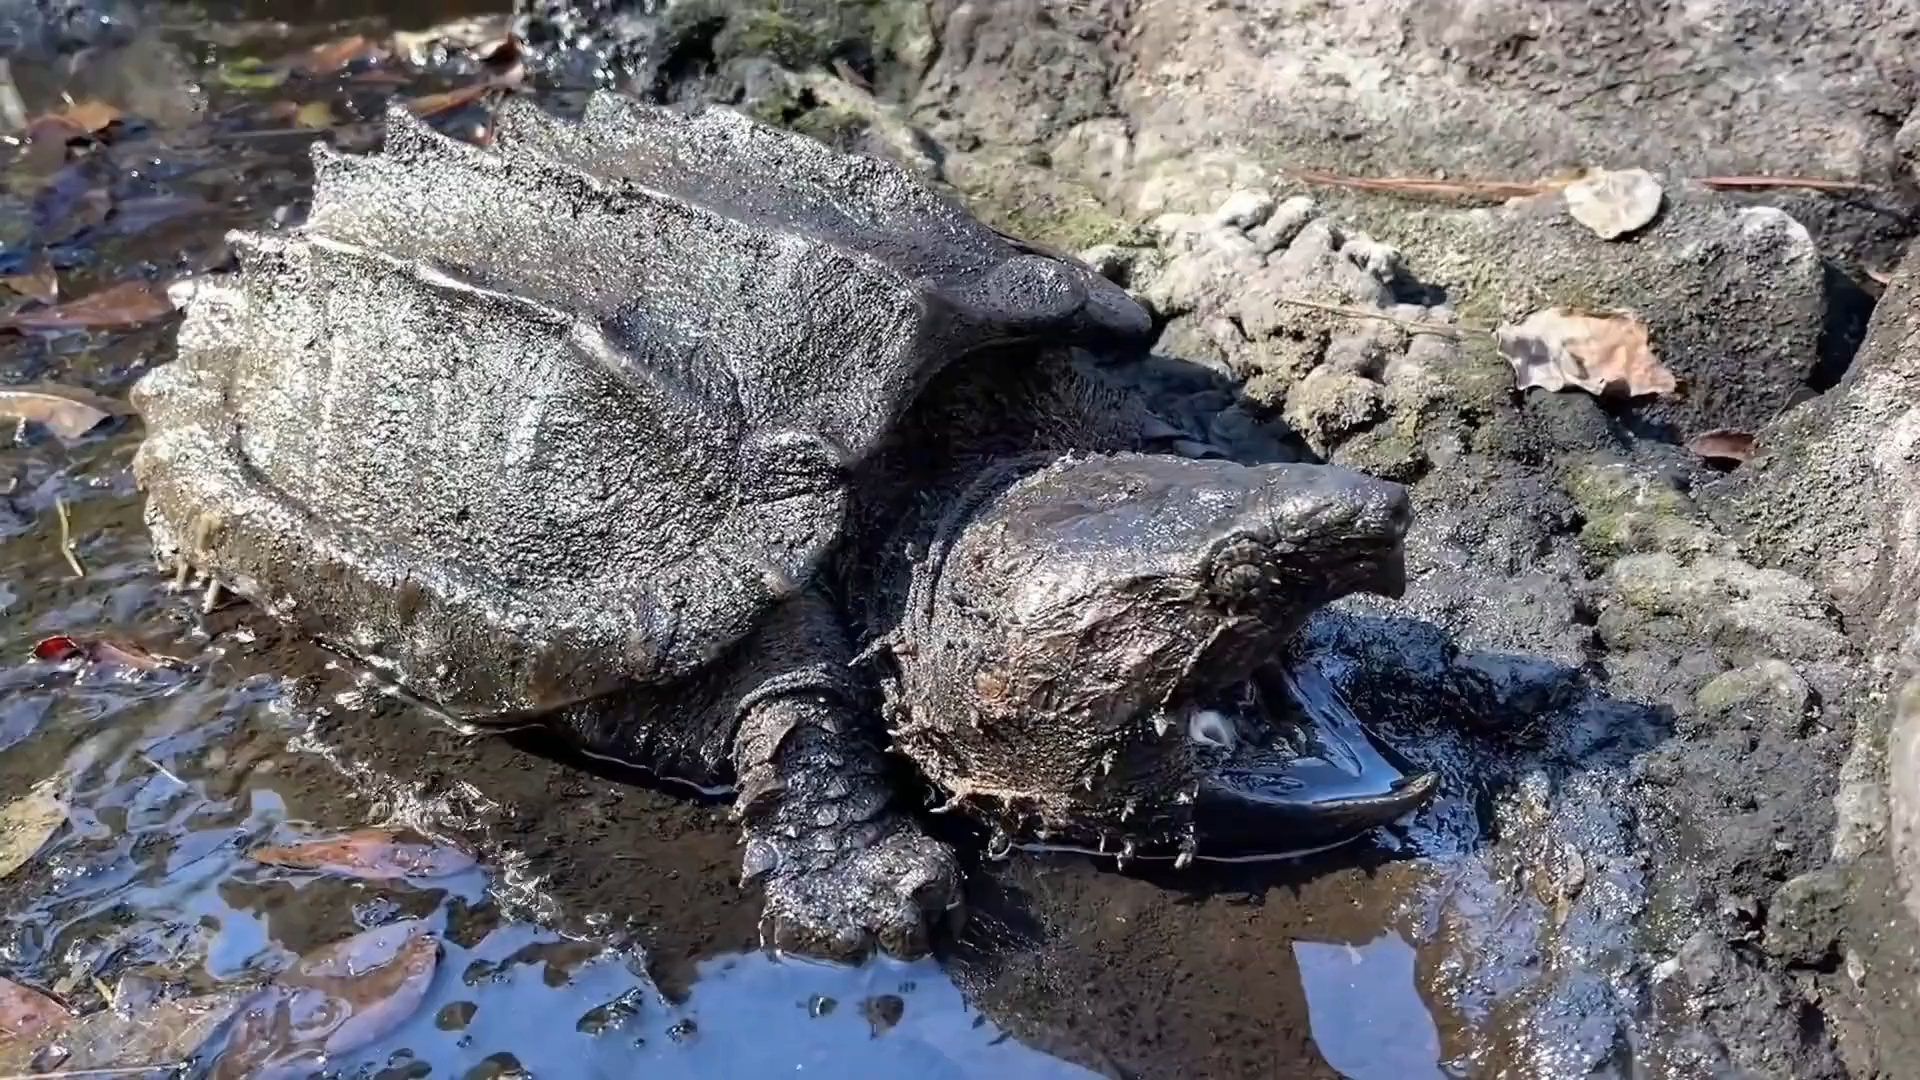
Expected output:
{"points": [[528, 423]]}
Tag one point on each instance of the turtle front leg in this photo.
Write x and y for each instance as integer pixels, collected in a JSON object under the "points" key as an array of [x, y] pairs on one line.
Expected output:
{"points": [[843, 869]]}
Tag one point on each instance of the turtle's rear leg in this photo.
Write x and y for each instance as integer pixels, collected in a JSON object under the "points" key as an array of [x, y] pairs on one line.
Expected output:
{"points": [[843, 869]]}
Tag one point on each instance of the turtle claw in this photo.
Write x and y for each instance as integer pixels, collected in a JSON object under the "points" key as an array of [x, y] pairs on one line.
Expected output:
{"points": [[891, 894]]}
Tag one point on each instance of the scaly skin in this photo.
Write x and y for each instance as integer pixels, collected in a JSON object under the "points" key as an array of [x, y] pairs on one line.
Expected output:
{"points": [[842, 868]]}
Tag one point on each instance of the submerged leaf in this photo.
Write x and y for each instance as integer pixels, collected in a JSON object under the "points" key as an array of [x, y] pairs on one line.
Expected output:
{"points": [[1556, 348], [40, 282], [80, 118], [129, 303], [369, 853], [247, 74], [334, 1001], [164, 1031], [1723, 444], [435, 104], [314, 114], [27, 1015], [334, 55], [29, 821], [67, 411], [100, 651]]}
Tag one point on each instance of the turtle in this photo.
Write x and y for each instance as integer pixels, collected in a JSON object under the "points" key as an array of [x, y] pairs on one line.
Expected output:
{"points": [[755, 464]]}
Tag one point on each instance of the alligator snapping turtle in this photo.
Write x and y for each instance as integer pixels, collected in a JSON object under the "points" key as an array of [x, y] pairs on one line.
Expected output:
{"points": [[746, 461]]}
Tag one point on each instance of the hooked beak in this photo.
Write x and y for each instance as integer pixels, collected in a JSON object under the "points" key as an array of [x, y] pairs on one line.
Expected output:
{"points": [[1318, 779]]}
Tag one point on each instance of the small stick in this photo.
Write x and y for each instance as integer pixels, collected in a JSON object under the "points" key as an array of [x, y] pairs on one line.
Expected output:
{"points": [[66, 538], [159, 768], [121, 1070], [1760, 183], [1410, 325]]}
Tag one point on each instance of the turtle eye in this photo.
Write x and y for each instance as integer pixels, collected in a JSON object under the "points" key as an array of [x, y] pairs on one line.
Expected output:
{"points": [[786, 464]]}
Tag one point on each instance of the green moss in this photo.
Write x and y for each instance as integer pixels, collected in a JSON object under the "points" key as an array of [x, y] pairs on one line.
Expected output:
{"points": [[775, 34], [832, 125], [1627, 513]]}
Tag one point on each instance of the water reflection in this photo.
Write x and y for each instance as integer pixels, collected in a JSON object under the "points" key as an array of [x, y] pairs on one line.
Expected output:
{"points": [[1364, 1006]]}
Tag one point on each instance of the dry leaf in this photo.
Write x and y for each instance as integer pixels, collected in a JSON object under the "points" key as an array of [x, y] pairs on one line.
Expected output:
{"points": [[334, 1001], [129, 303], [1723, 444], [369, 853], [27, 1019], [1880, 276], [27, 823], [314, 114], [1602, 354], [40, 282], [66, 411], [100, 651], [1614, 203]]}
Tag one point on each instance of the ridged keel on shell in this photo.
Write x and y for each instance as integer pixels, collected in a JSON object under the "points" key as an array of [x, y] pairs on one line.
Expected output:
{"points": [[528, 424]]}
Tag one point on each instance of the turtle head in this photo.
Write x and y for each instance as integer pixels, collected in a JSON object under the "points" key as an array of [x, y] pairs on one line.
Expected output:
{"points": [[1100, 656]]}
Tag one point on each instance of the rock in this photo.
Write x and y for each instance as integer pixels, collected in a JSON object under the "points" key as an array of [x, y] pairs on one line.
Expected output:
{"points": [[1769, 690], [1626, 510], [1906, 142], [1283, 224], [1328, 405], [1734, 604], [1121, 264], [1244, 210], [1508, 89], [1805, 918], [1613, 203]]}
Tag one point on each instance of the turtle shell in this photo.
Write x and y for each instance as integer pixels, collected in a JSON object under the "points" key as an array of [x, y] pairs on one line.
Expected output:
{"points": [[529, 423]]}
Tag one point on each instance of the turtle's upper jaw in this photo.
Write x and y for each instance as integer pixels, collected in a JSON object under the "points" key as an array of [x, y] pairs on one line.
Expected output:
{"points": [[1088, 645]]}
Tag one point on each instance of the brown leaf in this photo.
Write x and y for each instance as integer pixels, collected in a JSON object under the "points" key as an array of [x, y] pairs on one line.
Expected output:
{"points": [[129, 303], [100, 651], [1723, 444], [369, 853], [1880, 276], [67, 411], [40, 282], [27, 822], [1556, 348], [1762, 183], [333, 1001], [27, 1016]]}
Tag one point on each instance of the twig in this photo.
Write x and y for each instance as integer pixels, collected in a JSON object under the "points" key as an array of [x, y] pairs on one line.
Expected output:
{"points": [[119, 1070], [1761, 183], [66, 538], [1410, 325], [1422, 185], [159, 768]]}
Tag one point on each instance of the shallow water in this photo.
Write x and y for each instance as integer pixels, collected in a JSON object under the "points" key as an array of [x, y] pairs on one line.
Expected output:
{"points": [[603, 933]]}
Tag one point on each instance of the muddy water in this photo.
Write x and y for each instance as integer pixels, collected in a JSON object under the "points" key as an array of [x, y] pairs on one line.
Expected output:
{"points": [[604, 933]]}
